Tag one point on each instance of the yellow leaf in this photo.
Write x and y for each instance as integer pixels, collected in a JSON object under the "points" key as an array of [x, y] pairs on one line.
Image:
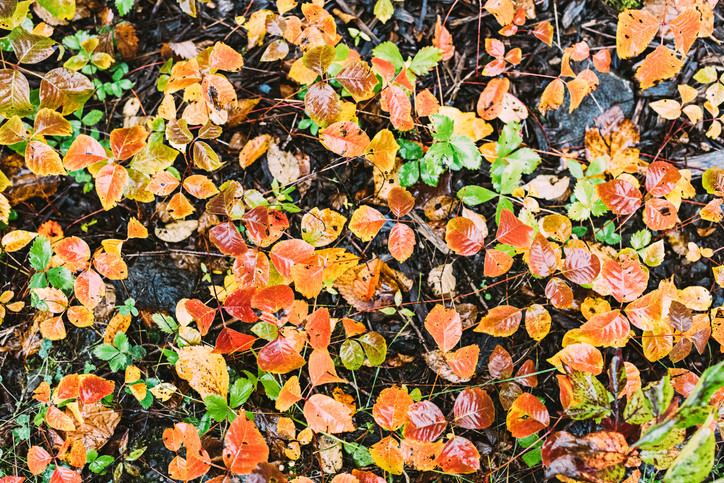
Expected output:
{"points": [[205, 372]]}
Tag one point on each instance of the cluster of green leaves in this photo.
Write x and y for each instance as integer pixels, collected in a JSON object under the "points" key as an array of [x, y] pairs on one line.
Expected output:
{"points": [[121, 353], [57, 277]]}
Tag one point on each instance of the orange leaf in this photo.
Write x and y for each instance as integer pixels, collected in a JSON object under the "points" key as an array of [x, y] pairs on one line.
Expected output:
{"points": [[537, 321], [65, 475], [322, 103], [53, 328], [542, 258], [223, 57], [473, 409], [127, 141], [512, 231], [527, 416], [110, 183], [445, 327], [559, 293], [111, 266], [659, 214], [580, 357], [400, 201], [244, 446], [544, 32], [387, 455], [253, 150], [552, 96], [627, 280], [57, 419], [636, 28], [43, 160], [610, 329], [602, 60], [345, 138], [358, 79], [279, 357], [390, 408], [83, 152], [463, 237], [200, 186], [366, 222], [89, 288], [290, 393], [661, 64], [325, 415], [502, 10], [201, 313], [490, 101], [397, 103], [319, 329], [443, 40], [685, 28], [426, 104], [227, 239], [500, 321], [265, 225], [661, 178], [285, 254], [93, 388], [497, 263], [38, 459], [464, 360], [321, 368], [322, 227], [581, 266]]}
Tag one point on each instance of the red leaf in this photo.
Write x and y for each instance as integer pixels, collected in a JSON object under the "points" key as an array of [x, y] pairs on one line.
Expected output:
{"points": [[581, 266], [526, 374], [661, 178], [201, 313], [238, 304], [445, 327], [252, 269], [500, 321], [230, 341], [93, 388], [400, 201], [390, 409], [660, 214], [279, 357], [500, 364], [621, 197], [425, 422], [474, 409], [513, 231], [497, 263], [265, 225], [244, 446], [126, 142], [227, 239], [401, 242], [275, 303], [627, 280], [527, 416], [325, 415], [459, 455], [463, 237]]}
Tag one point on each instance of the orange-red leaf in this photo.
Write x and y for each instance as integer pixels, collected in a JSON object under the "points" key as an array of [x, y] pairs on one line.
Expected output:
{"points": [[581, 266], [38, 459], [425, 422], [620, 196], [127, 141], [627, 280], [559, 293], [227, 239], [366, 222], [279, 357], [661, 178], [659, 214], [542, 258], [490, 101], [244, 446], [500, 364], [464, 360], [459, 455], [497, 263], [83, 151], [345, 138], [513, 231], [89, 288], [325, 415], [500, 321], [111, 180]]}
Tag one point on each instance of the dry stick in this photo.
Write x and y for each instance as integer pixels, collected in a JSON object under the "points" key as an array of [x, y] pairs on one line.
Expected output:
{"points": [[362, 26]]}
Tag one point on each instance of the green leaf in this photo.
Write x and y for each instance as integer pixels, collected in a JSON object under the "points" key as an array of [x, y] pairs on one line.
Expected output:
{"points": [[265, 330], [509, 139], [475, 195], [61, 278], [638, 409], [375, 347], [443, 127], [271, 386], [360, 454], [574, 167], [106, 352], [409, 149], [165, 323], [216, 407], [40, 253], [62, 9], [383, 10], [240, 392], [409, 173], [640, 239], [696, 460], [390, 52], [416, 395], [352, 354], [466, 152], [425, 59], [93, 117], [503, 204], [431, 168], [100, 464], [597, 166]]}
